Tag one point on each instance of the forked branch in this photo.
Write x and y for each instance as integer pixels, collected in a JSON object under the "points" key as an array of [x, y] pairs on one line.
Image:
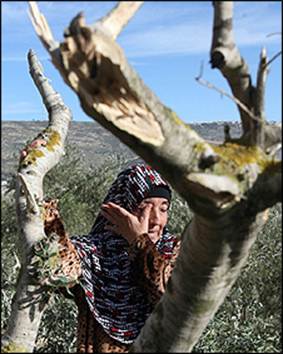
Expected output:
{"points": [[250, 99]]}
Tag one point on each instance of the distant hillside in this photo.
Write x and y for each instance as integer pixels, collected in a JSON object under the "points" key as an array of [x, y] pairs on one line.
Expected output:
{"points": [[93, 141]]}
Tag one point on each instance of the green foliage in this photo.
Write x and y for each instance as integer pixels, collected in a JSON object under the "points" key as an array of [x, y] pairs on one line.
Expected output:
{"points": [[248, 320], [57, 333], [10, 262]]}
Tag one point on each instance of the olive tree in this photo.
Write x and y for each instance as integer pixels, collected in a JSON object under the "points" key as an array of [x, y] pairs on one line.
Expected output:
{"points": [[229, 186]]}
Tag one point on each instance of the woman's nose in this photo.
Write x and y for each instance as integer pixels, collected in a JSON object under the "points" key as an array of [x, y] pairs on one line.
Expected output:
{"points": [[154, 216]]}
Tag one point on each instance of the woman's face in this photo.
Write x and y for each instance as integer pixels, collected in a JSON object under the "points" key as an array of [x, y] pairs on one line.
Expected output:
{"points": [[158, 216]]}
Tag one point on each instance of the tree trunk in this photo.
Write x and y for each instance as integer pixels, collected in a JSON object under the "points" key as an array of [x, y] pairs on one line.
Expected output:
{"points": [[36, 160]]}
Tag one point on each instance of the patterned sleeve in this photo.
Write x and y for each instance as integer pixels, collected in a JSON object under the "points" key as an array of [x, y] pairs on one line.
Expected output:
{"points": [[62, 266], [156, 267]]}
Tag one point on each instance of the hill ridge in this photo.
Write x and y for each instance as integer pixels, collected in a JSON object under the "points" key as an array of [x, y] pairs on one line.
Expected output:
{"points": [[93, 142]]}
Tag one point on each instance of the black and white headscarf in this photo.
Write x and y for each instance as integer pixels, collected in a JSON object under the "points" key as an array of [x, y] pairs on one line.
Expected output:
{"points": [[114, 297]]}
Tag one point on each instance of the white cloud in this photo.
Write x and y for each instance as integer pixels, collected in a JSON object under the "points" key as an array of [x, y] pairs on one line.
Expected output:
{"points": [[152, 13], [252, 25], [13, 11], [20, 108], [190, 33], [167, 40], [56, 12]]}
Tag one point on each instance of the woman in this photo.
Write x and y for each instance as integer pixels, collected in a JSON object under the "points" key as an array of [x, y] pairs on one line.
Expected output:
{"points": [[125, 261]]}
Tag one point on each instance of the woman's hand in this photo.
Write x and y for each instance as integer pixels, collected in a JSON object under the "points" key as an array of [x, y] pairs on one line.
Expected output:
{"points": [[124, 223]]}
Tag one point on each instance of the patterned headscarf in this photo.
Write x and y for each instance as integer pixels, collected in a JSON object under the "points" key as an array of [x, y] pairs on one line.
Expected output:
{"points": [[115, 298]]}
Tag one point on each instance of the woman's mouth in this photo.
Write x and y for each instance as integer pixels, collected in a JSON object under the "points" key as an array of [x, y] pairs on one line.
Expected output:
{"points": [[154, 230]]}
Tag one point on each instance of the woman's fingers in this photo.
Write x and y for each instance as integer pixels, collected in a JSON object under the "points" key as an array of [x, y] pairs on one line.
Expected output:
{"points": [[123, 222], [109, 216], [116, 214], [145, 213], [116, 211], [115, 225]]}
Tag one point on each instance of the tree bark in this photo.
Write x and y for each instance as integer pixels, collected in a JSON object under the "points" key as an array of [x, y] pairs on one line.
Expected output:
{"points": [[220, 183], [36, 160]]}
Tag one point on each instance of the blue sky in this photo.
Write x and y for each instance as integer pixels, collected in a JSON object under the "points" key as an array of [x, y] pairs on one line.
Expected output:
{"points": [[166, 42]]}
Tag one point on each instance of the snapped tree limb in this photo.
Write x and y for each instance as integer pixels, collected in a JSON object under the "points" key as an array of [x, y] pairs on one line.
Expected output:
{"points": [[111, 92]]}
